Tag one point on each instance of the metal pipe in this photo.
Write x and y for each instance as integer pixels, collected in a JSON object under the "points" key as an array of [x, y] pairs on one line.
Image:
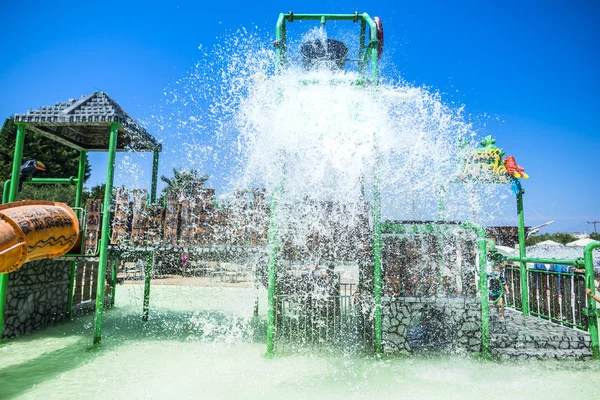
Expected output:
{"points": [[273, 244], [482, 287], [52, 181], [80, 178], [522, 252], [377, 278], [115, 269], [147, 278], [103, 250], [592, 308], [12, 195], [5, 191], [361, 48], [319, 17], [280, 42], [154, 176], [557, 261], [483, 293], [78, 193]]}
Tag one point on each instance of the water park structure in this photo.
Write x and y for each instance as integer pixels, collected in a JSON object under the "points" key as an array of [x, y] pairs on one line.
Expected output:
{"points": [[422, 285]]}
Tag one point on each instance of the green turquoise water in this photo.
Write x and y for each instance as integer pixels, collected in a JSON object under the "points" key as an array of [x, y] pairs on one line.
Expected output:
{"points": [[197, 345]]}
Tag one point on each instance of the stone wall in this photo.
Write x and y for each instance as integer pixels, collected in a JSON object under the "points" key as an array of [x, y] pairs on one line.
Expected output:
{"points": [[37, 296], [436, 324]]}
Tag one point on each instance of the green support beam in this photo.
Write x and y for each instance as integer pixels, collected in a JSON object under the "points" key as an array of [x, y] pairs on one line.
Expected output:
{"points": [[5, 191], [147, 279], [592, 309], [377, 272], [522, 252], [78, 193], [483, 293], [273, 245], [12, 196], [104, 233], [539, 260], [154, 176]]}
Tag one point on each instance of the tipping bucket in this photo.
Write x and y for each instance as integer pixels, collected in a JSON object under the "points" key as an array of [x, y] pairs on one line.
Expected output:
{"points": [[329, 53]]}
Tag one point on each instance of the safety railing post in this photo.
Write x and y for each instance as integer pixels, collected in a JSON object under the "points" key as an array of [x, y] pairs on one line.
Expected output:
{"points": [[522, 251], [104, 233], [147, 279], [273, 246], [12, 196], [592, 309]]}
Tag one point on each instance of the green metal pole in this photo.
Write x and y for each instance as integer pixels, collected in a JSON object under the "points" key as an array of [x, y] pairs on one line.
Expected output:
{"points": [[361, 48], [273, 243], [113, 282], [5, 191], [147, 278], [522, 253], [110, 171], [12, 196], [539, 260], [592, 308], [377, 279], [483, 292], [78, 192], [52, 181], [154, 176], [280, 41]]}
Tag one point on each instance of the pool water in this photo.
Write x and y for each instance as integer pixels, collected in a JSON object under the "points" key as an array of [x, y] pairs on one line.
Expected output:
{"points": [[197, 344]]}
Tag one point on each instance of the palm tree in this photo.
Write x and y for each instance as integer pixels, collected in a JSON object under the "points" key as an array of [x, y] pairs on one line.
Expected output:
{"points": [[184, 180]]}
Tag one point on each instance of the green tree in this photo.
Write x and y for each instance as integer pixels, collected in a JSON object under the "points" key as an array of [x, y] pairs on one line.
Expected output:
{"points": [[595, 236], [61, 161], [184, 180]]}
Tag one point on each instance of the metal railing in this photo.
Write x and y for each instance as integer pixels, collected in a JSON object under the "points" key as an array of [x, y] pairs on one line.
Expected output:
{"points": [[318, 319], [557, 296]]}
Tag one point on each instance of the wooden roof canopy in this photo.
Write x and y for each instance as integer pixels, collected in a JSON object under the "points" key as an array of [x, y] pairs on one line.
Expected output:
{"points": [[84, 124]]}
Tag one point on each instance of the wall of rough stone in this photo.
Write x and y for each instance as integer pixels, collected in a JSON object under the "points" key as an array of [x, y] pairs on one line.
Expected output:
{"points": [[445, 324], [37, 296]]}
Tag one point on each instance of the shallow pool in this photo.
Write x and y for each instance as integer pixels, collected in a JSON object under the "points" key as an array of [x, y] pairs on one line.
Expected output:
{"points": [[197, 345]]}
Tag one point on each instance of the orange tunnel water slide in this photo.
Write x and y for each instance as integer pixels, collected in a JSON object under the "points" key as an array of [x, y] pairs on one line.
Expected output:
{"points": [[31, 230]]}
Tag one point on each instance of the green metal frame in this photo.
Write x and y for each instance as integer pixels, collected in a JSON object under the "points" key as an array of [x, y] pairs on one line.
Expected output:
{"points": [[147, 279], [104, 230], [592, 309], [366, 53], [9, 194], [78, 192], [482, 245], [12, 195]]}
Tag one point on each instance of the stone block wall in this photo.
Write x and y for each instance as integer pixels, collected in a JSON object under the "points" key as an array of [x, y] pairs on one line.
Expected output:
{"points": [[431, 324], [37, 296]]}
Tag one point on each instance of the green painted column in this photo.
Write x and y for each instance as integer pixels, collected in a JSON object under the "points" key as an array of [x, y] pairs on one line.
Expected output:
{"points": [[5, 191], [147, 279], [483, 292], [104, 233], [273, 245], [377, 272], [78, 193], [12, 196], [522, 252], [154, 176], [592, 309], [113, 281]]}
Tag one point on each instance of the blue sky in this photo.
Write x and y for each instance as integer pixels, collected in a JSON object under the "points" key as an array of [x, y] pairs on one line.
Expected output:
{"points": [[525, 70]]}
